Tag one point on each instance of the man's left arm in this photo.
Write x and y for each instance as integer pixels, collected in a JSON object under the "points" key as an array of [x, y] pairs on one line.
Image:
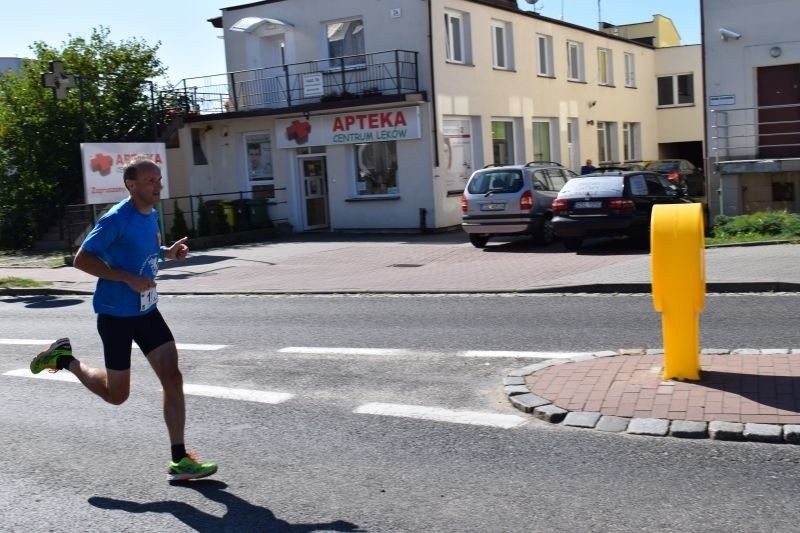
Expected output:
{"points": [[179, 250]]}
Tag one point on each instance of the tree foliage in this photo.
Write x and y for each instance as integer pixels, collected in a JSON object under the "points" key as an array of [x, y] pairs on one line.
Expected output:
{"points": [[40, 162]]}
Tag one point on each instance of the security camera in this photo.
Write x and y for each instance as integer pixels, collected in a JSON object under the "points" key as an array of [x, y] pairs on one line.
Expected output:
{"points": [[728, 34]]}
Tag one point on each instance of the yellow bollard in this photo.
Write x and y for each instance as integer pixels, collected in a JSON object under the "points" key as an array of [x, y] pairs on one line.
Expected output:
{"points": [[677, 254]]}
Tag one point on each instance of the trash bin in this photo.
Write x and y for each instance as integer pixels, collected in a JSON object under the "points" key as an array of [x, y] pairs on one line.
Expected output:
{"points": [[241, 215], [230, 213], [259, 218], [212, 218]]}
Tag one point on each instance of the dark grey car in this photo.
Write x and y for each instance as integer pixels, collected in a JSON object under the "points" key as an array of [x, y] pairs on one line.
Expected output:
{"points": [[512, 200]]}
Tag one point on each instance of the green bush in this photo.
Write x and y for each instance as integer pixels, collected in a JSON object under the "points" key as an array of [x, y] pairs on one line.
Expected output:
{"points": [[179, 228], [203, 223], [763, 224]]}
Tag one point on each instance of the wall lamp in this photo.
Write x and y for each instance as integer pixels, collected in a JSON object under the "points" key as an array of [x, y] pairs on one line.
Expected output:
{"points": [[590, 122]]}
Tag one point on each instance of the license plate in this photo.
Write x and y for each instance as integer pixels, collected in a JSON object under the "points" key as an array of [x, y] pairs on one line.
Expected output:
{"points": [[587, 205], [492, 207]]}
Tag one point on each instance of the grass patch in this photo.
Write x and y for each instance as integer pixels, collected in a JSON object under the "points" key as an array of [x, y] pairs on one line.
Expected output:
{"points": [[755, 227], [22, 283]]}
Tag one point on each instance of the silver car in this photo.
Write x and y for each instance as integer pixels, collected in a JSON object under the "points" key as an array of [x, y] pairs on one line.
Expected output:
{"points": [[512, 200]]}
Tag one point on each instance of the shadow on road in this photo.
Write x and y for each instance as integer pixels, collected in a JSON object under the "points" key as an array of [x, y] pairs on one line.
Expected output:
{"points": [[43, 302], [240, 514]]}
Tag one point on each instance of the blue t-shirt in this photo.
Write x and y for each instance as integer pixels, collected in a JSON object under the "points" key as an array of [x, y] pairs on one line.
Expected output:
{"points": [[126, 239]]}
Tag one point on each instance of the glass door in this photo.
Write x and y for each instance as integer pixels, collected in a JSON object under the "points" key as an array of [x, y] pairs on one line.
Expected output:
{"points": [[315, 189]]}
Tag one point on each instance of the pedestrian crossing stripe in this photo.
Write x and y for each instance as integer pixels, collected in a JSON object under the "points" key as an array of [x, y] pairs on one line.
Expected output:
{"points": [[248, 395], [438, 414]]}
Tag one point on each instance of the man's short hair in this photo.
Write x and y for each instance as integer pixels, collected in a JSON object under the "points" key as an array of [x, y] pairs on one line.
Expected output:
{"points": [[131, 171]]}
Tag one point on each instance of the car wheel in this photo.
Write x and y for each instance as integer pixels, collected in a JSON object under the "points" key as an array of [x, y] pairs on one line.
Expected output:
{"points": [[572, 243], [545, 233], [478, 241]]}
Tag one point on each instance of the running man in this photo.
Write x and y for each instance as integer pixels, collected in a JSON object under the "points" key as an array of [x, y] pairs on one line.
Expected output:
{"points": [[122, 251]]}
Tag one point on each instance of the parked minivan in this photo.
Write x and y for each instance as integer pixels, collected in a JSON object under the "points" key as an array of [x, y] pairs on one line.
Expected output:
{"points": [[512, 200]]}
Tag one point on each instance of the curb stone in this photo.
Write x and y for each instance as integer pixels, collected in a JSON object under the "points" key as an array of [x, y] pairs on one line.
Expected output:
{"points": [[522, 398]]}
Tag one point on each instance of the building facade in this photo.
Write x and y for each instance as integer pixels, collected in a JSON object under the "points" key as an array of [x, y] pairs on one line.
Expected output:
{"points": [[752, 87], [354, 115]]}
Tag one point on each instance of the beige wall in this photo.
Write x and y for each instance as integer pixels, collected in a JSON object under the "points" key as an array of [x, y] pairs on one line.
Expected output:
{"points": [[480, 90], [679, 124]]}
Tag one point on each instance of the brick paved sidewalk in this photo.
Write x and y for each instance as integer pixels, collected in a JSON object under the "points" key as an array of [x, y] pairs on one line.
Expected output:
{"points": [[740, 388]]}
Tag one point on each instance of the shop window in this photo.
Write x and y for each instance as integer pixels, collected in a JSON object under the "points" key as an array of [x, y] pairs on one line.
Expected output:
{"points": [[376, 168], [503, 142]]}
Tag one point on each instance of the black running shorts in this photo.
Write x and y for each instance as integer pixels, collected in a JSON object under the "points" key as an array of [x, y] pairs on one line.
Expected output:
{"points": [[148, 331]]}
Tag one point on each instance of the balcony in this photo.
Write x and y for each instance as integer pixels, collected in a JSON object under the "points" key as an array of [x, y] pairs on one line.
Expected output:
{"points": [[756, 139], [390, 73]]}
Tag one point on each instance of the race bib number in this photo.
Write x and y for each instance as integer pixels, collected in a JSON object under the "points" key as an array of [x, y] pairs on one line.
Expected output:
{"points": [[148, 299]]}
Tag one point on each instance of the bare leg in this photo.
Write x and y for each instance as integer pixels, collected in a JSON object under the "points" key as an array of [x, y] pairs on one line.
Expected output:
{"points": [[164, 361], [113, 386]]}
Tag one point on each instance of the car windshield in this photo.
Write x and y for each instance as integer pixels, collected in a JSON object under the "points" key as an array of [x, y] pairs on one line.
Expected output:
{"points": [[663, 166], [495, 181], [608, 185]]}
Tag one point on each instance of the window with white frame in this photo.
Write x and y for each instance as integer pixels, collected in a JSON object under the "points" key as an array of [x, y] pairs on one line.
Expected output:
{"points": [[455, 26], [675, 90], [542, 149], [376, 168], [503, 142], [605, 142], [630, 70], [346, 41], [502, 52], [631, 132], [605, 68], [575, 61], [544, 45]]}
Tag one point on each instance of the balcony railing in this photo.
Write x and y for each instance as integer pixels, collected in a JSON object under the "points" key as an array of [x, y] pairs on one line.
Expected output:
{"points": [[392, 72], [753, 133]]}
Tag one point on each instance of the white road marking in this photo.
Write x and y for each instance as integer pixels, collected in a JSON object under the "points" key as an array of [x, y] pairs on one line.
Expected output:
{"points": [[28, 342], [343, 351], [439, 414], [57, 376], [188, 347], [201, 347], [247, 395], [536, 355]]}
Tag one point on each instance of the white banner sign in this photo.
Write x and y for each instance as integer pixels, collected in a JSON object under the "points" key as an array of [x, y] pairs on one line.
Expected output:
{"points": [[104, 163], [397, 124]]}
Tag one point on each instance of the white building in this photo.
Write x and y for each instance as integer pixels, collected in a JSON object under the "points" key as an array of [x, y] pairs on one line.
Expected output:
{"points": [[372, 115], [752, 84]]}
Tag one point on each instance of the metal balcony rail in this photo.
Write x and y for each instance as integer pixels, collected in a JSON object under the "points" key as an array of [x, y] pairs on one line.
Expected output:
{"points": [[391, 72], [752, 133]]}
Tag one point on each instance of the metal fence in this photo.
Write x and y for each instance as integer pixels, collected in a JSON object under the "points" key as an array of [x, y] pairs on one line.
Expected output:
{"points": [[391, 72], [194, 216]]}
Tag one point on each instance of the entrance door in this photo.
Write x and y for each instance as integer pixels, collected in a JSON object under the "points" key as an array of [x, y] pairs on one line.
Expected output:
{"points": [[273, 57], [779, 86], [315, 188], [457, 164]]}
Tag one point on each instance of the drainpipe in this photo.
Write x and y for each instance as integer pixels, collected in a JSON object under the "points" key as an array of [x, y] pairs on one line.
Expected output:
{"points": [[434, 133], [423, 215]]}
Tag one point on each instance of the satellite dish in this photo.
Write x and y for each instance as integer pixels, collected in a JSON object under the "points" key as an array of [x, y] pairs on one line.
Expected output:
{"points": [[531, 2]]}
